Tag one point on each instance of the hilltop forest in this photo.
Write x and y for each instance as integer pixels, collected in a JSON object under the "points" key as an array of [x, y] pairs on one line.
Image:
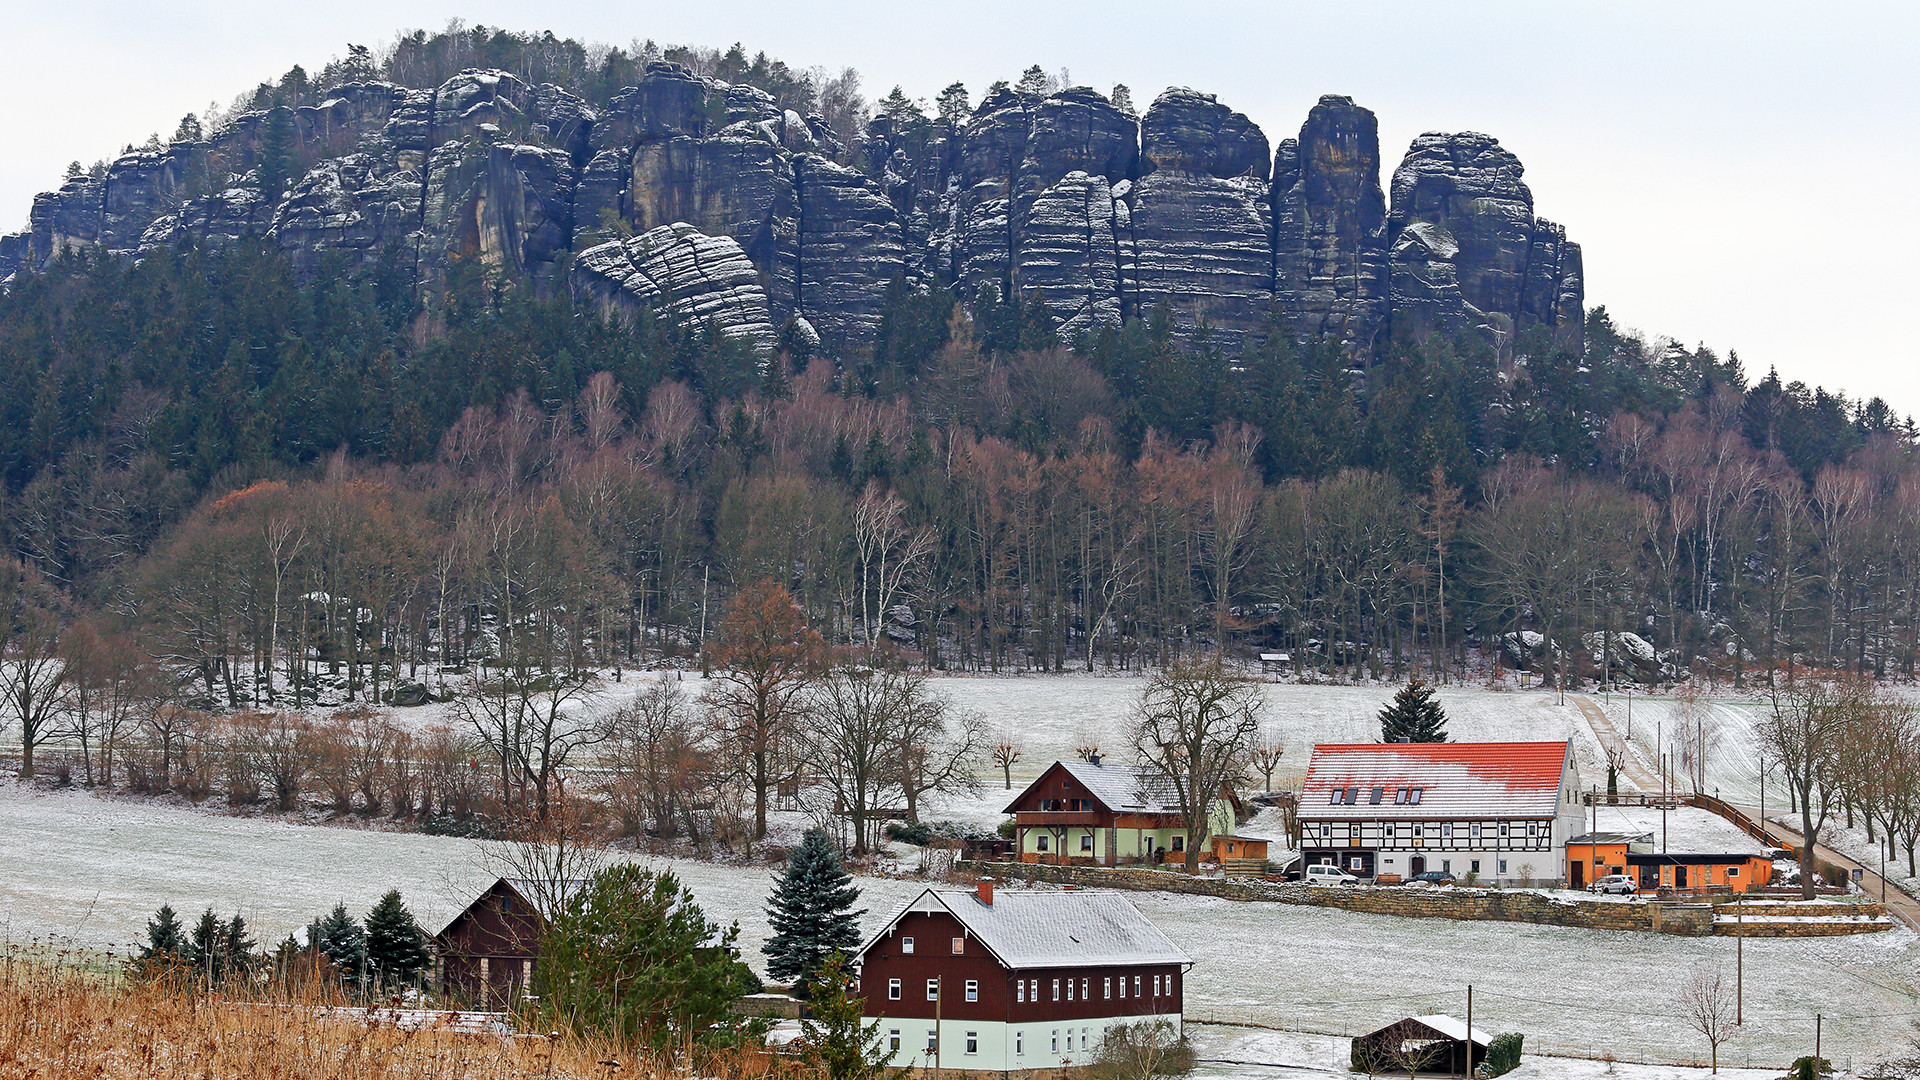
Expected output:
{"points": [[246, 465]]}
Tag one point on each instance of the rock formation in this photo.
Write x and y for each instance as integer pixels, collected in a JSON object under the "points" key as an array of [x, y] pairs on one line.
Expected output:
{"points": [[690, 274], [711, 199]]}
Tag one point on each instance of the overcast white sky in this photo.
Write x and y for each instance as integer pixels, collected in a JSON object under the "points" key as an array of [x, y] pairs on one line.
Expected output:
{"points": [[1737, 173]]}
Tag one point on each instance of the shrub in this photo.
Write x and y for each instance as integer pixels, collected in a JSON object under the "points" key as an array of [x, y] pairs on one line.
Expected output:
{"points": [[1503, 1055], [917, 833]]}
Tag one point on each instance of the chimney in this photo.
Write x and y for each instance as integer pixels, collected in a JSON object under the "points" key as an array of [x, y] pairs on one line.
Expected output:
{"points": [[985, 891]]}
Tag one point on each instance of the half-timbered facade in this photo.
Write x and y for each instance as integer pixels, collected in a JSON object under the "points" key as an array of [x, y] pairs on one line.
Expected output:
{"points": [[1101, 814], [1484, 812], [959, 979]]}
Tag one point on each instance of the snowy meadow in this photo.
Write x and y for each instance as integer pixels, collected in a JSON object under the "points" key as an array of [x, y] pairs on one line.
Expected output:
{"points": [[92, 869]]}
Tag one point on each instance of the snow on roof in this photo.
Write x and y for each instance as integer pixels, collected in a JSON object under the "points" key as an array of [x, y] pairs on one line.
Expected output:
{"points": [[1454, 779], [1452, 1028], [1048, 929], [1118, 787]]}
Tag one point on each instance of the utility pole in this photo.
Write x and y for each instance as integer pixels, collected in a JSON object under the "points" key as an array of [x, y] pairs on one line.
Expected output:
{"points": [[1469, 1029], [1593, 850], [1740, 962], [706, 573], [1816, 1040], [939, 1003]]}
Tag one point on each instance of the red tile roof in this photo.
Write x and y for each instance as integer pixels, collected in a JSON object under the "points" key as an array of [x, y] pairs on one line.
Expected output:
{"points": [[1456, 779]]}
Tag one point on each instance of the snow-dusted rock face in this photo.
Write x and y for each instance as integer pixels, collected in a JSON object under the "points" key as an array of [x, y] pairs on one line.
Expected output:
{"points": [[1330, 216], [1467, 251], [1062, 198], [693, 275], [849, 250], [1202, 218]]}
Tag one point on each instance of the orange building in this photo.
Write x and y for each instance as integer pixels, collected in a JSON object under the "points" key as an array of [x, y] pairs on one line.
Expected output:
{"points": [[1675, 870], [1595, 855]]}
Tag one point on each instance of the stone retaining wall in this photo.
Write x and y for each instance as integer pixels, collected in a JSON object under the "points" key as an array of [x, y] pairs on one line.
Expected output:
{"points": [[1689, 919], [1780, 928]]}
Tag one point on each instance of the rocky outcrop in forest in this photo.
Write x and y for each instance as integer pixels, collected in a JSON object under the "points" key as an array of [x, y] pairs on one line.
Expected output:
{"points": [[710, 200]]}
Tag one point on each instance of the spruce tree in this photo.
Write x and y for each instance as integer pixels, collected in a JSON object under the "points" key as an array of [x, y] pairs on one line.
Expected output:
{"points": [[206, 949], [165, 938], [340, 937], [811, 912], [396, 947], [1413, 716], [237, 948], [837, 1036]]}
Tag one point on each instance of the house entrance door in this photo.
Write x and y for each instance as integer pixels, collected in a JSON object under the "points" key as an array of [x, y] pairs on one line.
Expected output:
{"points": [[1679, 877], [1416, 865], [1579, 873]]}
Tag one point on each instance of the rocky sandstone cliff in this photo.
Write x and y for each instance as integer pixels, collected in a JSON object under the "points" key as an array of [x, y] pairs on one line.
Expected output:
{"points": [[710, 200]]}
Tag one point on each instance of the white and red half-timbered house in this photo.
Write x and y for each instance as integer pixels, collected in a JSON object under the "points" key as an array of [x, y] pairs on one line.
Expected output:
{"points": [[966, 979], [1484, 812]]}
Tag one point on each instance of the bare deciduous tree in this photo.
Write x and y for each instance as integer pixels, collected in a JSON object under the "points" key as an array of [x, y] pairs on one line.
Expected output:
{"points": [[1706, 1002], [1191, 730], [1005, 753]]}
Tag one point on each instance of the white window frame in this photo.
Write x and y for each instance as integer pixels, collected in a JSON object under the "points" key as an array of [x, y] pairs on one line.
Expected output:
{"points": [[1020, 991], [1108, 989], [933, 989], [906, 946], [973, 1042], [1056, 990], [959, 946], [893, 1040], [1019, 1043], [973, 990], [1086, 841], [893, 990]]}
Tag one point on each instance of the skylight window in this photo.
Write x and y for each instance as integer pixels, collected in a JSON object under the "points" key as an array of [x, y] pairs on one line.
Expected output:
{"points": [[1374, 799], [1399, 796], [1413, 796]]}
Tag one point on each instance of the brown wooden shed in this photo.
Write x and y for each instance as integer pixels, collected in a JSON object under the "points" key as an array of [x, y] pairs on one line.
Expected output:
{"points": [[488, 952]]}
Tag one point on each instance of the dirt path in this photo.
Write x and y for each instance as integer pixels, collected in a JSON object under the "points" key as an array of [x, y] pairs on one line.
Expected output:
{"points": [[1900, 905], [1638, 772]]}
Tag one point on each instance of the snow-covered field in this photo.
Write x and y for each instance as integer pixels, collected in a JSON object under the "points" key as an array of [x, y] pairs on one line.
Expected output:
{"points": [[93, 870]]}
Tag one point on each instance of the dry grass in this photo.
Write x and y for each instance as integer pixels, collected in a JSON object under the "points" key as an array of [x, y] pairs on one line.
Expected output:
{"points": [[60, 1023]]}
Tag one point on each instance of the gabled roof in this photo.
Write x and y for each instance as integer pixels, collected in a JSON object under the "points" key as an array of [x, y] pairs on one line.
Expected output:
{"points": [[540, 897], [1456, 779], [1121, 789], [1047, 929], [1453, 1028]]}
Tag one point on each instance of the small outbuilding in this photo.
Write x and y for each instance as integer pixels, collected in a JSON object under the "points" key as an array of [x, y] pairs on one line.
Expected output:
{"points": [[1435, 1044], [489, 951]]}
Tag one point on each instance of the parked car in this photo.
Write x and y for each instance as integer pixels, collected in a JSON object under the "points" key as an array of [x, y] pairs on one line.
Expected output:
{"points": [[1431, 877], [1329, 874], [1620, 884]]}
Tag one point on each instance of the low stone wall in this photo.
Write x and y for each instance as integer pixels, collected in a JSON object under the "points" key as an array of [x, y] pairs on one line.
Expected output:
{"points": [[1785, 928], [1688, 919]]}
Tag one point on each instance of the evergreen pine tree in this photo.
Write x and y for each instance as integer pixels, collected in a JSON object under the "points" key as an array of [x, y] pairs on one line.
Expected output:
{"points": [[340, 937], [206, 949], [846, 1047], [237, 948], [1413, 716], [396, 948], [811, 912], [165, 939]]}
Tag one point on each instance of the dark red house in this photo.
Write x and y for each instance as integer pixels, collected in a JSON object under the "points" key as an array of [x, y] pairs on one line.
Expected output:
{"points": [[488, 952], [969, 980]]}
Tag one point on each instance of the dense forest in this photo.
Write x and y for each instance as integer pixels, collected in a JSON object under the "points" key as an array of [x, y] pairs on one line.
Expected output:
{"points": [[237, 469]]}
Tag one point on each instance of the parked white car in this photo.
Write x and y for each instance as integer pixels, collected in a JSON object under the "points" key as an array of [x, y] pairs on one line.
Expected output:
{"points": [[1620, 884], [1329, 874]]}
